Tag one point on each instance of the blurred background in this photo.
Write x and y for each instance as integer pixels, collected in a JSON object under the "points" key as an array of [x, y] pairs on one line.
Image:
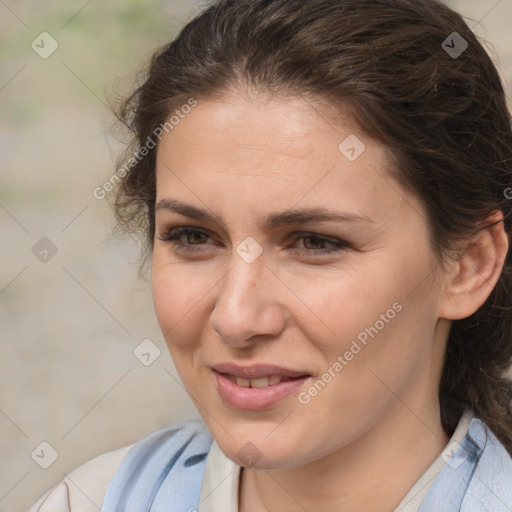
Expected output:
{"points": [[83, 366]]}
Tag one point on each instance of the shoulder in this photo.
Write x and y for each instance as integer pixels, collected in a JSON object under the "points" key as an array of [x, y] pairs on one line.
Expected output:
{"points": [[477, 476], [87, 487], [83, 488], [165, 470], [491, 483]]}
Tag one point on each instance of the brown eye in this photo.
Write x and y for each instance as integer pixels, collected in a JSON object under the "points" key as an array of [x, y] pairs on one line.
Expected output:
{"points": [[316, 245], [196, 237], [186, 239], [314, 242]]}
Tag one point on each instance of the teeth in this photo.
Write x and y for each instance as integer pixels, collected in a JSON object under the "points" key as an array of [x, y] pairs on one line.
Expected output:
{"points": [[275, 379], [262, 382]]}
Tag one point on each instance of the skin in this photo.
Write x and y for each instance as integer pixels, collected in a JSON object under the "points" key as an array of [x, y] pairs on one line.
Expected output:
{"points": [[366, 438]]}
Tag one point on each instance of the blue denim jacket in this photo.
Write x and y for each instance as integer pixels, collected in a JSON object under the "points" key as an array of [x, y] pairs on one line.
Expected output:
{"points": [[164, 472]]}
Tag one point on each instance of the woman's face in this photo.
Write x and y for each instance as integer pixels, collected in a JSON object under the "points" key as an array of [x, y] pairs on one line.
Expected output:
{"points": [[302, 253]]}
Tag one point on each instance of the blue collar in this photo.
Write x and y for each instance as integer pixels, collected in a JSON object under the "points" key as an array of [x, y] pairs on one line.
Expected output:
{"points": [[164, 473]]}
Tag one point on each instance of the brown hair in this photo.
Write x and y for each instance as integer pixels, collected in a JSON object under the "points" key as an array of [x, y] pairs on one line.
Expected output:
{"points": [[443, 116]]}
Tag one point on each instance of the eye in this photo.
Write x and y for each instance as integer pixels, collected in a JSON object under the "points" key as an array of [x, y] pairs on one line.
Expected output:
{"points": [[185, 238], [192, 239], [315, 244]]}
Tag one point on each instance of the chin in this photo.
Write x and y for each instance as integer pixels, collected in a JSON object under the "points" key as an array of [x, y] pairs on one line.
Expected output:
{"points": [[258, 451]]}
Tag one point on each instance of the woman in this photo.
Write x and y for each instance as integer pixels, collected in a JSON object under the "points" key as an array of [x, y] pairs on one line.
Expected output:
{"points": [[323, 188]]}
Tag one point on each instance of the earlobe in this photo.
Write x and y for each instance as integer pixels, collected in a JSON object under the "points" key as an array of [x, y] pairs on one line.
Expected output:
{"points": [[475, 274]]}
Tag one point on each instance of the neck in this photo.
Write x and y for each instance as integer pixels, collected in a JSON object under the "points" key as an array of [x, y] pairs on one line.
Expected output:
{"points": [[374, 473]]}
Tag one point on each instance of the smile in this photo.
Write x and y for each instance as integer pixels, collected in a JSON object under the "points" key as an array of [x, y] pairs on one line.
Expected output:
{"points": [[261, 382], [258, 393]]}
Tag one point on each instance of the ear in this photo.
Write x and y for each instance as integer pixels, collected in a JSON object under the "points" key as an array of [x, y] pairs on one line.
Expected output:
{"points": [[474, 275]]}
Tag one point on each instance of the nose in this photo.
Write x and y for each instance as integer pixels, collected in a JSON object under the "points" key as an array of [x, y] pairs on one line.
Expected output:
{"points": [[247, 307]]}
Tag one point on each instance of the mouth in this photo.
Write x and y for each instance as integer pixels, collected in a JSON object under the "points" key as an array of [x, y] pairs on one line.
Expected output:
{"points": [[261, 382], [254, 388]]}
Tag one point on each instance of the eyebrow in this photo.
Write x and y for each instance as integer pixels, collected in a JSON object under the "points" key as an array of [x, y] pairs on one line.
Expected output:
{"points": [[273, 221]]}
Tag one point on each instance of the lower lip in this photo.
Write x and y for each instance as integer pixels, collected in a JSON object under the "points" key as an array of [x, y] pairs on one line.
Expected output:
{"points": [[255, 399]]}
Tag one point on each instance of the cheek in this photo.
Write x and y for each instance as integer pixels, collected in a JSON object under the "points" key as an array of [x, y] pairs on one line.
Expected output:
{"points": [[373, 318], [179, 297], [345, 305], [386, 349]]}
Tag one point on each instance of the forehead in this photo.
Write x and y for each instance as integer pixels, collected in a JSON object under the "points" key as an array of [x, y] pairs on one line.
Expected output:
{"points": [[277, 151], [241, 125]]}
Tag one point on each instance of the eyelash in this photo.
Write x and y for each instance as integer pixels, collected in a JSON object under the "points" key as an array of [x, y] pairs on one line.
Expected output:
{"points": [[172, 237]]}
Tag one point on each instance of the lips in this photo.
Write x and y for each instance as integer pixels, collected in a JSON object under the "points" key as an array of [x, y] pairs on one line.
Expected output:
{"points": [[258, 371], [257, 386]]}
